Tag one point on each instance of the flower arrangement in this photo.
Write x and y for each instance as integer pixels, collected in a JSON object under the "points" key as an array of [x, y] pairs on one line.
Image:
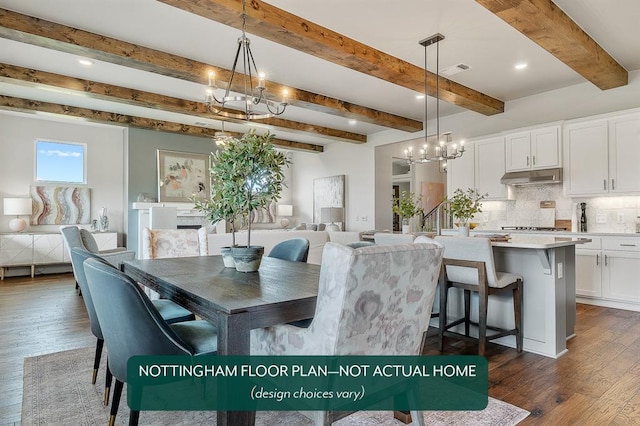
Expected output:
{"points": [[465, 204]]}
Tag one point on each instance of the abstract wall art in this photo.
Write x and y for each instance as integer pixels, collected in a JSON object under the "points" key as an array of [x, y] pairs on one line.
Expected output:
{"points": [[60, 205], [328, 192]]}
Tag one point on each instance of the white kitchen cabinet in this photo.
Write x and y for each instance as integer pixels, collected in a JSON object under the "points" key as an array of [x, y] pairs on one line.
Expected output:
{"points": [[461, 171], [624, 154], [588, 273], [533, 149], [602, 156], [490, 167], [586, 153], [621, 270], [607, 272]]}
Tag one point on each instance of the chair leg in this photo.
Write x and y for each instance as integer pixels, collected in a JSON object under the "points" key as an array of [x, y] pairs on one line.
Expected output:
{"points": [[517, 313], [417, 419], [115, 403], [107, 384], [467, 311], [321, 418], [96, 360], [133, 418], [444, 290], [482, 322]]}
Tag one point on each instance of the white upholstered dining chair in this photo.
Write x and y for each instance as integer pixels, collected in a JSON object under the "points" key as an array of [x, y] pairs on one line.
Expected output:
{"points": [[469, 265], [357, 307]]}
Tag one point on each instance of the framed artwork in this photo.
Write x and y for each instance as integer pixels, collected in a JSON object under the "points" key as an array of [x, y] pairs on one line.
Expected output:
{"points": [[328, 192], [60, 205], [182, 175]]}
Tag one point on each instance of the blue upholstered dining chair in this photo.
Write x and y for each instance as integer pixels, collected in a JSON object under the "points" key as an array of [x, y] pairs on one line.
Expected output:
{"points": [[131, 326], [295, 249], [170, 311], [356, 306]]}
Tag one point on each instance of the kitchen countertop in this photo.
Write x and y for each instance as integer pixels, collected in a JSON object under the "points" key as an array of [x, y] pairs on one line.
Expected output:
{"points": [[558, 233], [539, 241]]}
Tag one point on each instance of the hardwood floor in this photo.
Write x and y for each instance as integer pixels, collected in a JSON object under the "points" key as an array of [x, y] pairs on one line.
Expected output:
{"points": [[596, 383], [37, 316]]}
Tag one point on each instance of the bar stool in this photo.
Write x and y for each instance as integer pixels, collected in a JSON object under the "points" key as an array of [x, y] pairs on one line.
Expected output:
{"points": [[468, 264]]}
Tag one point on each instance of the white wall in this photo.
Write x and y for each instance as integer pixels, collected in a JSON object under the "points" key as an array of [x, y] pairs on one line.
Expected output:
{"points": [[105, 161], [354, 161]]}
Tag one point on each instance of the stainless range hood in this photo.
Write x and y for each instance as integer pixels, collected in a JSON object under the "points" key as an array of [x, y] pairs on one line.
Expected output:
{"points": [[532, 177]]}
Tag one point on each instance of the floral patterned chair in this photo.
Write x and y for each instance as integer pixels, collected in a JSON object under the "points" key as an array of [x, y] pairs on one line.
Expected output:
{"points": [[372, 300], [160, 243]]}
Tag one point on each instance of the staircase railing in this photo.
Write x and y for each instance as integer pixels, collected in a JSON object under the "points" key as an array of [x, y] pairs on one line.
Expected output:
{"points": [[437, 219]]}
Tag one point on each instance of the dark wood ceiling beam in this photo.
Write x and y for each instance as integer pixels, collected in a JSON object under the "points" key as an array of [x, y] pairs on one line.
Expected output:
{"points": [[547, 25], [28, 105], [279, 26], [38, 32], [29, 77]]}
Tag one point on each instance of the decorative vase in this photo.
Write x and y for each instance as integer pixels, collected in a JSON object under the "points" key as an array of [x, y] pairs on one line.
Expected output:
{"points": [[104, 223], [227, 257], [463, 230], [247, 259], [406, 225]]}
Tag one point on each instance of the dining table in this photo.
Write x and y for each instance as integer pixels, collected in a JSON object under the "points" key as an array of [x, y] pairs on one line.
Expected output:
{"points": [[280, 291]]}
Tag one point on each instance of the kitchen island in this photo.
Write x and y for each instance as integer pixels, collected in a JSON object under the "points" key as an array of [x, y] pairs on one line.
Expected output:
{"points": [[547, 265]]}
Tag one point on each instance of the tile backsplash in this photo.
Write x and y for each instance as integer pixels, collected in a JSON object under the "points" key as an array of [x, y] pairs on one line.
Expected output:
{"points": [[619, 213]]}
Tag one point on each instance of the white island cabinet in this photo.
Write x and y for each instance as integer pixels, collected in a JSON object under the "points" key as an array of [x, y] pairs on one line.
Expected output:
{"points": [[547, 265]]}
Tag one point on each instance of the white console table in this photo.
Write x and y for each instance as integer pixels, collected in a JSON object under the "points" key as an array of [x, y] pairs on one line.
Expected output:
{"points": [[42, 248]]}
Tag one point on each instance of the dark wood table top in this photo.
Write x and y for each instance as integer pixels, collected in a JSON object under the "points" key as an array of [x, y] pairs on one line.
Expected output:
{"points": [[203, 284]]}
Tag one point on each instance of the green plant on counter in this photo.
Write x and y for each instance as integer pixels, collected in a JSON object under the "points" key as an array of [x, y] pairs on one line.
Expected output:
{"points": [[407, 205], [465, 204]]}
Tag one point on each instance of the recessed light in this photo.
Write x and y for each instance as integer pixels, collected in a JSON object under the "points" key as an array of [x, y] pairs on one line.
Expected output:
{"points": [[521, 66], [353, 122], [419, 96], [85, 62]]}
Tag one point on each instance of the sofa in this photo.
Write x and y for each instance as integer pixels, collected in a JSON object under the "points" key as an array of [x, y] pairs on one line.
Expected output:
{"points": [[269, 238]]}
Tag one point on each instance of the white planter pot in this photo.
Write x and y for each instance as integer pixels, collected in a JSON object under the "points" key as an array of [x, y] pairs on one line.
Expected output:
{"points": [[463, 231]]}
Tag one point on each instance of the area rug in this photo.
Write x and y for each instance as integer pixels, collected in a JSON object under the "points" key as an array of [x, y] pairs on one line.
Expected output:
{"points": [[58, 391]]}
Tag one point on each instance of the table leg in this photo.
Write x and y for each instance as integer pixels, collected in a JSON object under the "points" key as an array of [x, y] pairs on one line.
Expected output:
{"points": [[233, 339]]}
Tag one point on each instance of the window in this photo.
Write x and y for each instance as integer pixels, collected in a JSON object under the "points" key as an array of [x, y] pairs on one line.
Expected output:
{"points": [[60, 162]]}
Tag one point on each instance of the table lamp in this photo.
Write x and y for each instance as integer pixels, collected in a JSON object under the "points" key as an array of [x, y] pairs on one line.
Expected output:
{"points": [[17, 207], [285, 211], [331, 214]]}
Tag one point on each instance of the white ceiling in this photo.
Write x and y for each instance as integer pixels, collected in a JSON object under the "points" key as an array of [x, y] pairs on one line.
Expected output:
{"points": [[473, 36]]}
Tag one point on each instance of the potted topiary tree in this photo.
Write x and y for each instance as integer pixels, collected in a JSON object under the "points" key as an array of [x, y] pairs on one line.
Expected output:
{"points": [[407, 206], [218, 208], [247, 174], [463, 206]]}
